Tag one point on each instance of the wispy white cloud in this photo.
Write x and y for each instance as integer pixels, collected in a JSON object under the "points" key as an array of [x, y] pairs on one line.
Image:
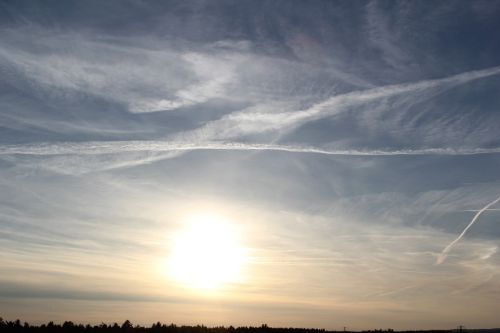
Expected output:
{"points": [[166, 77], [385, 39], [213, 73], [152, 75]]}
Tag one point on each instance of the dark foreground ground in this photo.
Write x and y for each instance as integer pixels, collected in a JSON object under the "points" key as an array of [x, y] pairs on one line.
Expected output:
{"points": [[127, 326]]}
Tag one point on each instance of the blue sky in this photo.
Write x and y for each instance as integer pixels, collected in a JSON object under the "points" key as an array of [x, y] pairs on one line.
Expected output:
{"points": [[349, 143]]}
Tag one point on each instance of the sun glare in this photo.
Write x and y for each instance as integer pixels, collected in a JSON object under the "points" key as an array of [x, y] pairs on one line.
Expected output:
{"points": [[206, 253]]}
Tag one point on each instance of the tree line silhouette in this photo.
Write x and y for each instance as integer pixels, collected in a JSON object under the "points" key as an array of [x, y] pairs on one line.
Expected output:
{"points": [[68, 326]]}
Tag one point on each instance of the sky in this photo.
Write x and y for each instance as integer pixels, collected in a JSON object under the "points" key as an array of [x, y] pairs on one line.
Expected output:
{"points": [[303, 163]]}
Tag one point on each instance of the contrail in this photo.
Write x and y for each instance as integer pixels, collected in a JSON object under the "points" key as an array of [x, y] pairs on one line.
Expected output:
{"points": [[444, 253], [242, 123], [115, 147]]}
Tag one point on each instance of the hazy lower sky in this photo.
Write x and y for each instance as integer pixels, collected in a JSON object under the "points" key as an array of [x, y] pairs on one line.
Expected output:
{"points": [[295, 163]]}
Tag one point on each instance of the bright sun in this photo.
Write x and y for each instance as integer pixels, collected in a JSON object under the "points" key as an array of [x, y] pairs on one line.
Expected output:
{"points": [[206, 253]]}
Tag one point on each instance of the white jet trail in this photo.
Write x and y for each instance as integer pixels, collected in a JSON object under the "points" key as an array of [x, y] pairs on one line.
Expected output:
{"points": [[71, 157], [442, 256], [242, 123], [116, 147]]}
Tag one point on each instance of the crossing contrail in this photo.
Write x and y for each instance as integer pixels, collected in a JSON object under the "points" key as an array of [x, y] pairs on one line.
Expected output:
{"points": [[442, 256]]}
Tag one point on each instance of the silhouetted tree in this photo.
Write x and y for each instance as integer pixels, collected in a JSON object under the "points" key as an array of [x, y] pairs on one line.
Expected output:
{"points": [[127, 325], [70, 327]]}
